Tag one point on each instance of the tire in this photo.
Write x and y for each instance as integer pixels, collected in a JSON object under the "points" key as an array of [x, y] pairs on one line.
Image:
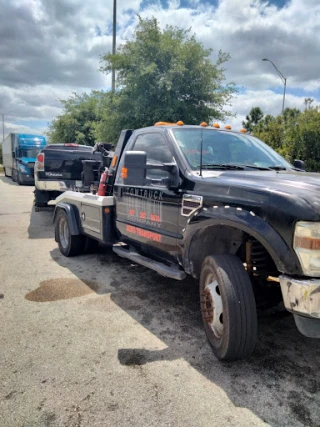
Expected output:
{"points": [[5, 172], [41, 198], [69, 245], [228, 307], [19, 180]]}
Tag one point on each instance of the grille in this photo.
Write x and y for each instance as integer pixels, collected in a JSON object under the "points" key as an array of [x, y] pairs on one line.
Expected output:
{"points": [[190, 204], [31, 167]]}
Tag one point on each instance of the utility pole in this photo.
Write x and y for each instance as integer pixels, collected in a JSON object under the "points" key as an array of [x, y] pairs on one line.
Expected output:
{"points": [[2, 127], [114, 43]]}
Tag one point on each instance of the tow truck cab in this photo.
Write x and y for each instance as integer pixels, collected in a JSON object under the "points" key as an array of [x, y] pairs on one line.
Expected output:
{"points": [[221, 206]]}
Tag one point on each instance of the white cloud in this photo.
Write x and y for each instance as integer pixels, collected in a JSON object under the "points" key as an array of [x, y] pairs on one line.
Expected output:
{"points": [[54, 48], [267, 100], [18, 128], [173, 4], [33, 103]]}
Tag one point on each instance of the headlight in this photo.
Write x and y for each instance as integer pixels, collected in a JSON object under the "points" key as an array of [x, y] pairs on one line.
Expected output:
{"points": [[306, 244]]}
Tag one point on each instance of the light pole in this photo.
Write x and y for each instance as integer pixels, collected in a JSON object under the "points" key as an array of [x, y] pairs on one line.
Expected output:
{"points": [[114, 43], [283, 79], [2, 127]]}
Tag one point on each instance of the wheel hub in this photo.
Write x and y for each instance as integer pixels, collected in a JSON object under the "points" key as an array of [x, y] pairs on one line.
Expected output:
{"points": [[64, 232], [211, 306], [207, 305]]}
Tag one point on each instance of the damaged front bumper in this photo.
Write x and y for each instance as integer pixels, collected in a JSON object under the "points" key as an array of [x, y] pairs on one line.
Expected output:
{"points": [[302, 298]]}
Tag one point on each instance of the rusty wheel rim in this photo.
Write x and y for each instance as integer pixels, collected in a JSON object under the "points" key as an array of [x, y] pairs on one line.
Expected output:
{"points": [[212, 306]]}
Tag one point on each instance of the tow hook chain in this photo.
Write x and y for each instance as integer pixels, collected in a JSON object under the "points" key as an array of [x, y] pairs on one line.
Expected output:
{"points": [[207, 306]]}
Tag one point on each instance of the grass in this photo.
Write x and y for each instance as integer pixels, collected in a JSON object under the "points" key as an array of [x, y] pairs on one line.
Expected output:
{"points": [[1, 168]]}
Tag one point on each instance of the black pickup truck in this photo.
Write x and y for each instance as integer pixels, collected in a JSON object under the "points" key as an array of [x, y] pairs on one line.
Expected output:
{"points": [[216, 204], [59, 168]]}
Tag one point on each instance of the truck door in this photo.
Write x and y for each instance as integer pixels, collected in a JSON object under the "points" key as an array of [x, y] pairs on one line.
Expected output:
{"points": [[148, 215]]}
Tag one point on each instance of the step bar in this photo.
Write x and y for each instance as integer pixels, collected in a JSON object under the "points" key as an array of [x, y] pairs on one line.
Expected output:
{"points": [[173, 272]]}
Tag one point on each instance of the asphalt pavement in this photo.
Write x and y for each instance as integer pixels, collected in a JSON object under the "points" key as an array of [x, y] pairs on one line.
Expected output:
{"points": [[96, 341]]}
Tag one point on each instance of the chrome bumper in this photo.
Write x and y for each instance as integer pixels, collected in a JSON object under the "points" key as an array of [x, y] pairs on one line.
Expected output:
{"points": [[51, 185], [301, 297]]}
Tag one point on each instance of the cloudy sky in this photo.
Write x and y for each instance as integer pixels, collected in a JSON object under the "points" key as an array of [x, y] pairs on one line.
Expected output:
{"points": [[51, 48]]}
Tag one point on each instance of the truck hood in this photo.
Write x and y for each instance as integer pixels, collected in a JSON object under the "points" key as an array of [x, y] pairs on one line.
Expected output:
{"points": [[262, 187]]}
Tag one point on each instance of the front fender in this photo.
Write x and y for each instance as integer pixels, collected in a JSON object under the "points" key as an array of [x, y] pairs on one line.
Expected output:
{"points": [[72, 214], [283, 256]]}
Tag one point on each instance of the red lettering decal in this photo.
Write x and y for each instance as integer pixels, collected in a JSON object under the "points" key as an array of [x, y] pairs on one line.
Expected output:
{"points": [[150, 235], [155, 218], [143, 215], [131, 229], [131, 212]]}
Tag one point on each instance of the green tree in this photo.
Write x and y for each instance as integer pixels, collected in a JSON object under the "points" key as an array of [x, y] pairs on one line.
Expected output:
{"points": [[77, 123], [275, 131], [304, 139], [270, 130], [295, 135], [108, 127], [253, 118], [165, 75], [307, 103]]}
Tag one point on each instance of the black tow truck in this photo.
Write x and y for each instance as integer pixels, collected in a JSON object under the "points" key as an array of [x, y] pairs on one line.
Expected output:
{"points": [[216, 204]]}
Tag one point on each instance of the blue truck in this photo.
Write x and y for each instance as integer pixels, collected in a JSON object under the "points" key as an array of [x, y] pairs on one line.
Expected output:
{"points": [[19, 153]]}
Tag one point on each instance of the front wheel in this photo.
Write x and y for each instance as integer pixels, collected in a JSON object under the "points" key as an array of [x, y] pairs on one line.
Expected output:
{"points": [[228, 307], [19, 180], [69, 245]]}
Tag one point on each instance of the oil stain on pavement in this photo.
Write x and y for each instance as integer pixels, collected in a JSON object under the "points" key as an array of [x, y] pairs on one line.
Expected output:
{"points": [[62, 288]]}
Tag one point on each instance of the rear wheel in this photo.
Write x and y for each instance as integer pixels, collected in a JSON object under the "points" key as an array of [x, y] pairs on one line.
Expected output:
{"points": [[5, 172], [69, 245], [228, 307], [41, 198]]}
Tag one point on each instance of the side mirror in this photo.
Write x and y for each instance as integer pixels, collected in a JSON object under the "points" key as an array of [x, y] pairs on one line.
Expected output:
{"points": [[135, 169], [299, 164], [135, 166]]}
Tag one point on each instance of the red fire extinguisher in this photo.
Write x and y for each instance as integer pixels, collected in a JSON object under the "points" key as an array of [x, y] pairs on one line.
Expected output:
{"points": [[103, 185]]}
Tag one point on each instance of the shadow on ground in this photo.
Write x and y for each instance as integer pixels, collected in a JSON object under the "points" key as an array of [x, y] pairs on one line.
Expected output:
{"points": [[41, 224], [279, 383], [7, 180]]}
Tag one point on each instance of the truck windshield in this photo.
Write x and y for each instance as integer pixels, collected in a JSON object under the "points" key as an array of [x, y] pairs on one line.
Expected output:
{"points": [[30, 153], [226, 148]]}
